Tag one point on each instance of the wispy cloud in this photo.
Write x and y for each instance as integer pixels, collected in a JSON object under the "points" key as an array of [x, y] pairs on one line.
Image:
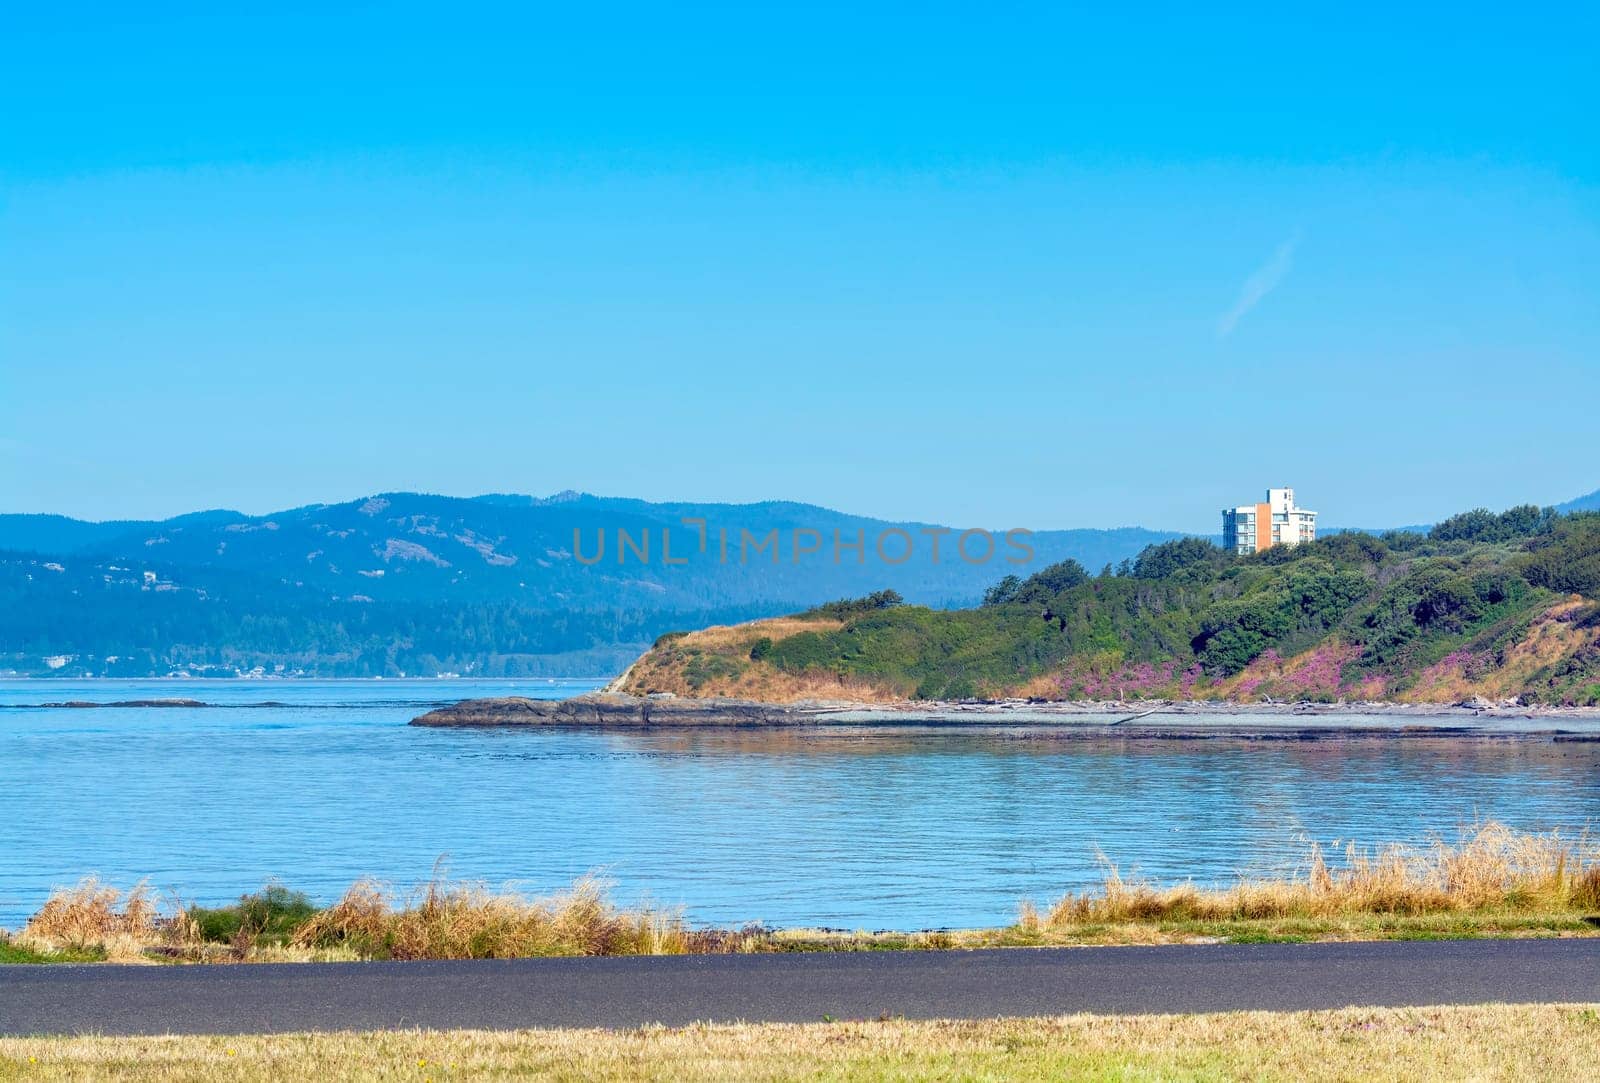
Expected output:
{"points": [[1263, 281]]}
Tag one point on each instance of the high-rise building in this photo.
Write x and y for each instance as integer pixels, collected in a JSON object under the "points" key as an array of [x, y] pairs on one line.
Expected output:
{"points": [[1250, 528]]}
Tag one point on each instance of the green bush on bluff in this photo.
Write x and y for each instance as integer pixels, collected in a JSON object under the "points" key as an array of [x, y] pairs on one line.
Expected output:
{"points": [[1567, 559], [1482, 525]]}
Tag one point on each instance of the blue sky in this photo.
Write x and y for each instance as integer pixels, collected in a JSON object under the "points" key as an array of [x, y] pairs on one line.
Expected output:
{"points": [[1042, 267]]}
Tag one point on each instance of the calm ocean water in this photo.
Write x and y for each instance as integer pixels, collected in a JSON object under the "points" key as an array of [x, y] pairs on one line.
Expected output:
{"points": [[891, 828]]}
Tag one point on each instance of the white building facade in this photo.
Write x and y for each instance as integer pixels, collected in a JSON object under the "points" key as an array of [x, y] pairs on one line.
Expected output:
{"points": [[1250, 528]]}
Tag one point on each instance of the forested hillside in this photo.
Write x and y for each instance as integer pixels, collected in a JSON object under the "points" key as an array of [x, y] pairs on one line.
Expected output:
{"points": [[1487, 605]]}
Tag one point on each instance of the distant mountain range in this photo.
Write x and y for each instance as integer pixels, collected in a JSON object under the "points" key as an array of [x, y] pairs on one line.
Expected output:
{"points": [[1589, 502], [498, 584]]}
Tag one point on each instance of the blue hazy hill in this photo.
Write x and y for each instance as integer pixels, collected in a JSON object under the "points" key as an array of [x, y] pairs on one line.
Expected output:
{"points": [[415, 582]]}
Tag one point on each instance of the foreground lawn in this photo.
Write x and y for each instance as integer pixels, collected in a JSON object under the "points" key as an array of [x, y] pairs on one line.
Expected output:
{"points": [[1490, 1042]]}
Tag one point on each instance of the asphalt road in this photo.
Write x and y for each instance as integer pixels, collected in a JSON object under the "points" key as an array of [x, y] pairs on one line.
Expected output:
{"points": [[625, 992]]}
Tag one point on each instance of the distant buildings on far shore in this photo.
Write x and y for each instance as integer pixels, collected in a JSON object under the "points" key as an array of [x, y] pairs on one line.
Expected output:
{"points": [[1250, 528]]}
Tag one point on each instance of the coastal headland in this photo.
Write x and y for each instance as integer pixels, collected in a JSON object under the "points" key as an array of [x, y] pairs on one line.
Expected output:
{"points": [[1487, 612]]}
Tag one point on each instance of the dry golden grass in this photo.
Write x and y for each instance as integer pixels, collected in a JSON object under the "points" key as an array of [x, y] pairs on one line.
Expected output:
{"points": [[440, 920], [1551, 638], [664, 669], [766, 684], [1041, 686], [769, 685], [1492, 1042], [463, 921], [735, 636], [94, 916], [1491, 868]]}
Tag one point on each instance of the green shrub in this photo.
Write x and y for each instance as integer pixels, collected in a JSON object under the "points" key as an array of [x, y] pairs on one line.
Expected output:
{"points": [[1048, 582], [1185, 556], [845, 608], [704, 668], [271, 915], [1568, 558], [947, 688], [1482, 525], [1451, 604], [798, 653], [960, 688], [1003, 591], [1234, 632]]}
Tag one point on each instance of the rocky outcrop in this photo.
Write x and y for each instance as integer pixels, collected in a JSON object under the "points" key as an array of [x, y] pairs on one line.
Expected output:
{"points": [[1146, 719], [131, 703], [611, 710]]}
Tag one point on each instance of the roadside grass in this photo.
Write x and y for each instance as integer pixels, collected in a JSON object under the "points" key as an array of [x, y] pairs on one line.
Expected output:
{"points": [[1490, 870], [93, 918], [1478, 1042], [13, 952], [1357, 927], [454, 921], [440, 920], [1493, 882]]}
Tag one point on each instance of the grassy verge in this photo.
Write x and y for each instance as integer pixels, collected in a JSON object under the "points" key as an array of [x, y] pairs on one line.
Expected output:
{"points": [[1493, 882], [1289, 930], [17, 953], [1488, 1042]]}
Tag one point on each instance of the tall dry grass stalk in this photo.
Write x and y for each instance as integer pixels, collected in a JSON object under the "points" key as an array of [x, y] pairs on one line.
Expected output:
{"points": [[93, 915], [1490, 868], [468, 921]]}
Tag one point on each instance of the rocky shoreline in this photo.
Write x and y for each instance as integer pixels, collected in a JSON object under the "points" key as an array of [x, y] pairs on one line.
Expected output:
{"points": [[84, 703], [612, 709], [1148, 718]]}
